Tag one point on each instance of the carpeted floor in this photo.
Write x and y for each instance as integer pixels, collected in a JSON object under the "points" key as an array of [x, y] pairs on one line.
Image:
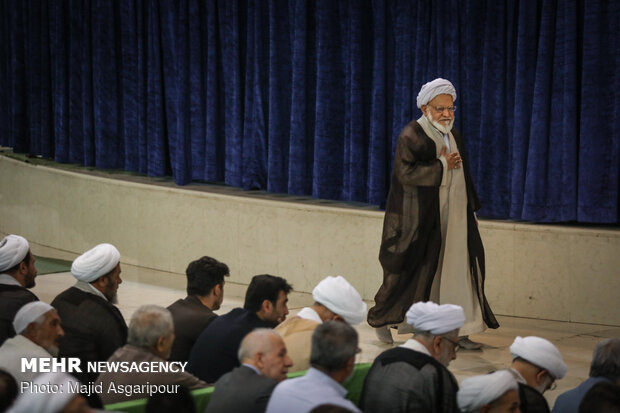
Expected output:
{"points": [[47, 265]]}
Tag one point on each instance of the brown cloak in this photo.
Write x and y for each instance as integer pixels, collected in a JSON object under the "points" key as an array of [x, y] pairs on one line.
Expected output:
{"points": [[411, 240]]}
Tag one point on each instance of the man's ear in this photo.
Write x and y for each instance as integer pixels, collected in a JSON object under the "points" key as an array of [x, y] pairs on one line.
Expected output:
{"points": [[23, 267], [217, 290], [258, 361], [161, 341], [436, 345], [540, 376], [267, 306]]}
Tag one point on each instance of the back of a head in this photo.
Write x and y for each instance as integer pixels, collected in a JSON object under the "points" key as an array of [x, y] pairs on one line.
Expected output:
{"points": [[149, 323], [256, 341], [264, 287], [606, 360], [8, 390], [333, 343], [203, 274], [603, 397], [179, 402]]}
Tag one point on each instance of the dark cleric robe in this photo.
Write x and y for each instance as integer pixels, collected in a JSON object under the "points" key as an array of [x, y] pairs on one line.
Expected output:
{"points": [[94, 329], [531, 400], [411, 240], [215, 351], [241, 391], [402, 380], [12, 298], [190, 317]]}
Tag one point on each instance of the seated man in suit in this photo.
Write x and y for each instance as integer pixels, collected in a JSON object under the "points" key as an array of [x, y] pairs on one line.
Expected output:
{"points": [[215, 351], [414, 376], [246, 389], [17, 274], [94, 327], [334, 299], [150, 338], [605, 367], [192, 314], [536, 365], [334, 346]]}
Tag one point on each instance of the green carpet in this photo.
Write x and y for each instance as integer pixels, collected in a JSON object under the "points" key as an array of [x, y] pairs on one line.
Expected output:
{"points": [[47, 265]]}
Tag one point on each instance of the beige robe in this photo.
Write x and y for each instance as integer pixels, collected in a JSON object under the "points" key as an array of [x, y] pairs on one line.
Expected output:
{"points": [[297, 335]]}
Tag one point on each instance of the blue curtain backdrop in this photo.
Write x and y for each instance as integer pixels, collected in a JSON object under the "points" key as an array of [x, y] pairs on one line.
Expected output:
{"points": [[308, 97]]}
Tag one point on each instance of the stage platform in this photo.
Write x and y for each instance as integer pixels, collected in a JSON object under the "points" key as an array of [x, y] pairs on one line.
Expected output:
{"points": [[550, 272]]}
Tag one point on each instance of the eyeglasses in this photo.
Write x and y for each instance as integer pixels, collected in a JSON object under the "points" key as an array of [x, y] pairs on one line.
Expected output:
{"points": [[442, 109], [454, 343]]}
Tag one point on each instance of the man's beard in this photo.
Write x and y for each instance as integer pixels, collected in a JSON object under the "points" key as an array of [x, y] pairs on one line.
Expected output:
{"points": [[53, 350], [440, 127]]}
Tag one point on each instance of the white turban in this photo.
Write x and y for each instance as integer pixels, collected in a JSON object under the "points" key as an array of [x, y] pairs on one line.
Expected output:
{"points": [[95, 262], [541, 353], [28, 313], [13, 250], [435, 319], [434, 88], [46, 401], [342, 298], [480, 390]]}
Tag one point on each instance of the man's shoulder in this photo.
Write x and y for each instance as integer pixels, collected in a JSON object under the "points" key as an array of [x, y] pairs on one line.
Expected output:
{"points": [[243, 375], [189, 307], [17, 292], [24, 346], [295, 325]]}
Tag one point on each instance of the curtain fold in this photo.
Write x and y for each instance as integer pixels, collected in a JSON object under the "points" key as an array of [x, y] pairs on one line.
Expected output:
{"points": [[308, 97]]}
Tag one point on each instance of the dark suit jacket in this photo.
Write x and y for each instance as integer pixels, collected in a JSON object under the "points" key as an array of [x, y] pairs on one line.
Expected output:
{"points": [[568, 402], [190, 317], [94, 328], [241, 391], [215, 351], [12, 298]]}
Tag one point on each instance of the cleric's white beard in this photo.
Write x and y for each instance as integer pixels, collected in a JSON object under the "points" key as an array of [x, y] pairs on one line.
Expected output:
{"points": [[440, 127]]}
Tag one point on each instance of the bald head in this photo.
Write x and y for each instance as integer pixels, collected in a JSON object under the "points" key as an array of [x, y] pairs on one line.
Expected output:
{"points": [[265, 350]]}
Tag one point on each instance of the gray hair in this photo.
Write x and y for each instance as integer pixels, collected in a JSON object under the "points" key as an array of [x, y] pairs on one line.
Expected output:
{"points": [[148, 324], [256, 341], [606, 359], [333, 344]]}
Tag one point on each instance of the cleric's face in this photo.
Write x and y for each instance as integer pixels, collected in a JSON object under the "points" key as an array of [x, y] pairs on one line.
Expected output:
{"points": [[439, 110]]}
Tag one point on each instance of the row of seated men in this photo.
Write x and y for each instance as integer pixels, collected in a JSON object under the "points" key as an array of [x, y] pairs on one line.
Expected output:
{"points": [[247, 352]]}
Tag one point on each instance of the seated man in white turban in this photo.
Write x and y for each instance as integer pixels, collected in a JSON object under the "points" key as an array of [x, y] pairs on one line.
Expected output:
{"points": [[94, 327], [431, 195], [38, 332], [247, 389], [490, 393], [536, 365], [414, 376], [17, 274], [150, 338], [334, 299], [36, 398]]}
